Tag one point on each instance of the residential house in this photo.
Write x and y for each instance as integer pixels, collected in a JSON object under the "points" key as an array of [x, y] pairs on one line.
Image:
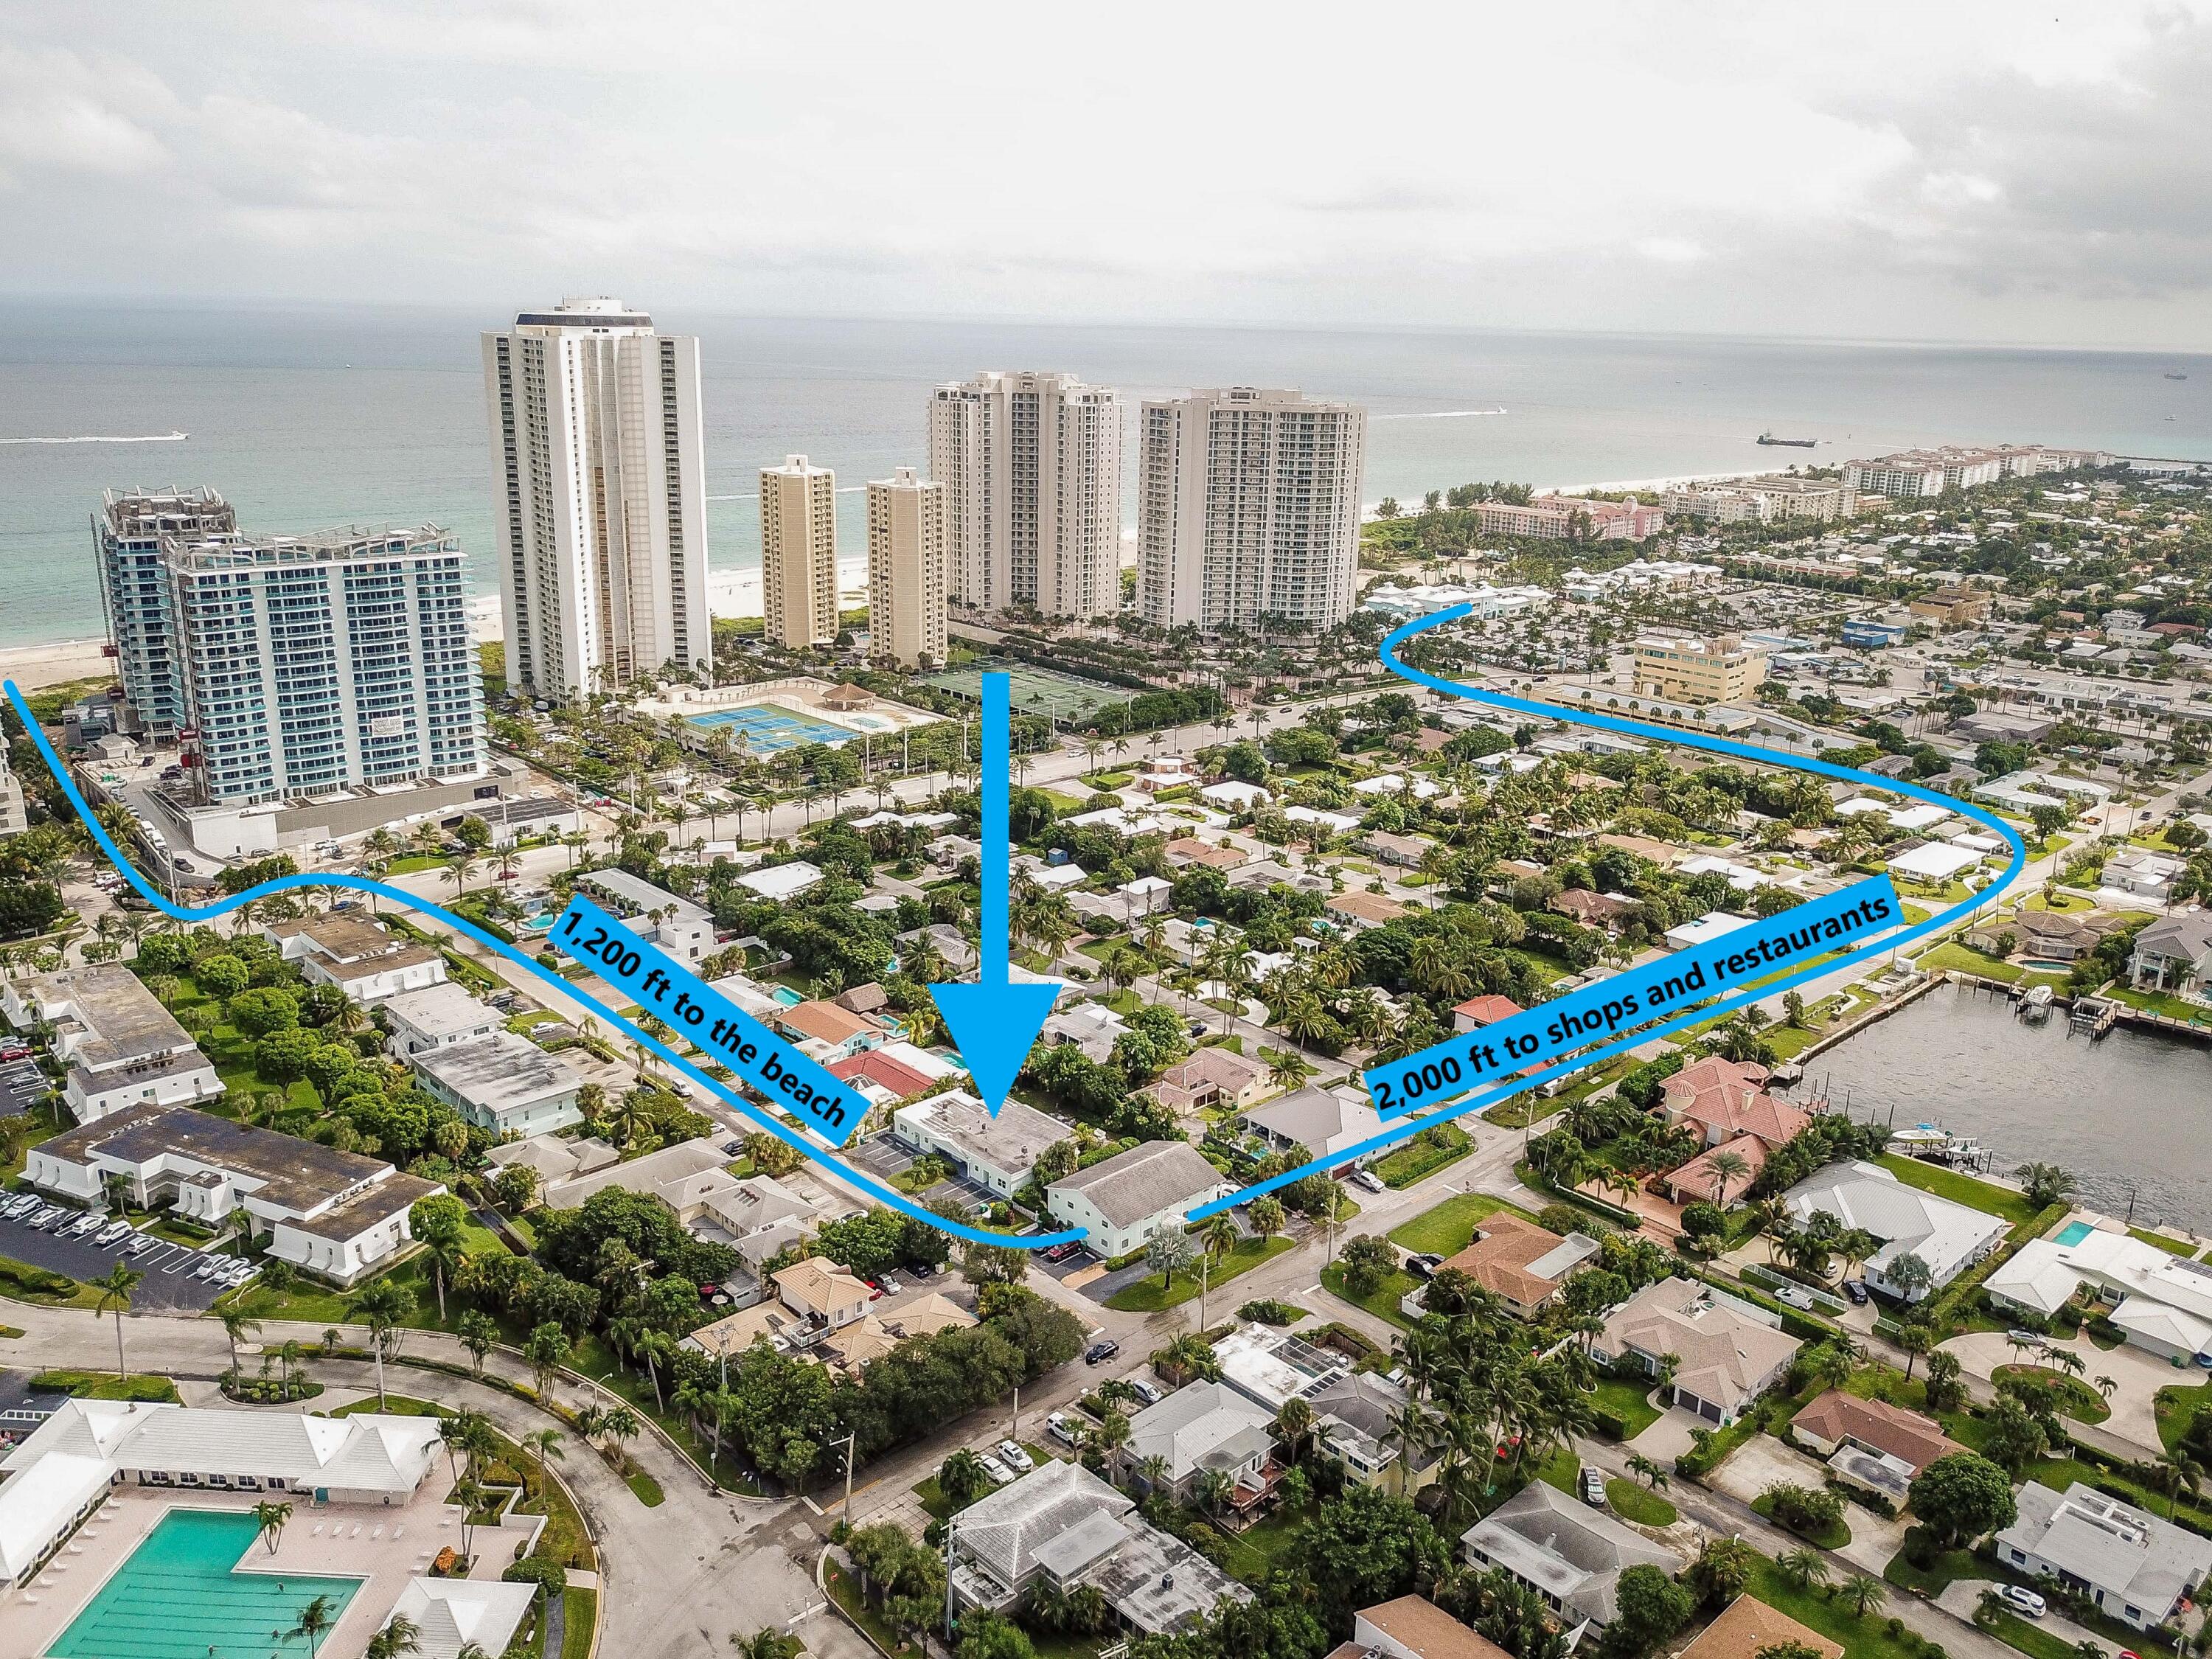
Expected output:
{"points": [[122, 1048], [1748, 1627], [1478, 1012], [1325, 1122], [2161, 1303], [1202, 1429], [1000, 1152], [1727, 1352], [1413, 1628], [1090, 1026], [1224, 855], [1725, 1104], [1522, 1264], [1357, 1415], [1358, 912], [1569, 1554], [1123, 1199], [1063, 1524], [678, 925], [2045, 935], [780, 882], [337, 1215], [676, 1163], [839, 1032], [356, 955], [1601, 910], [1947, 1236], [503, 1083], [1405, 851], [2143, 874], [1210, 1077], [436, 1017], [2133, 1565], [2174, 954], [1870, 1443]]}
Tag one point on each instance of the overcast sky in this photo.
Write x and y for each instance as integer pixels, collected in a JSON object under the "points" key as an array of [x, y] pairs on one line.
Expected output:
{"points": [[1950, 170]]}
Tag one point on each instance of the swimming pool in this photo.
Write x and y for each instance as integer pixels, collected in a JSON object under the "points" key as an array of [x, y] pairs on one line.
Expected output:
{"points": [[767, 728], [178, 1597], [2074, 1232]]}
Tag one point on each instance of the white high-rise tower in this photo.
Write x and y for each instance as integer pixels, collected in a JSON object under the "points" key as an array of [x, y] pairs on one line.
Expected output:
{"points": [[1031, 465], [798, 554], [599, 496], [1248, 506]]}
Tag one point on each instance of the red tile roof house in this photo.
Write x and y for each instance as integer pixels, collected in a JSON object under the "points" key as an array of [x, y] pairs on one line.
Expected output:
{"points": [[1722, 1100], [1478, 1012], [1211, 1077], [1592, 910]]}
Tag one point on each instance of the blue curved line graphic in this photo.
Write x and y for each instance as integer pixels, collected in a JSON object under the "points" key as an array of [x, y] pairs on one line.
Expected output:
{"points": [[1412, 1125], [460, 924]]}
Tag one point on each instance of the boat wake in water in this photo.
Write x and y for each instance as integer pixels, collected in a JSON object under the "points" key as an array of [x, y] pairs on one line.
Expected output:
{"points": [[142, 437], [1440, 414]]}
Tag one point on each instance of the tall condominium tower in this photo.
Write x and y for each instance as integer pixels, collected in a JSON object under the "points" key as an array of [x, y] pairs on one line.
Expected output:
{"points": [[798, 553], [1247, 506], [1031, 465], [310, 663], [134, 587], [599, 491], [906, 538]]}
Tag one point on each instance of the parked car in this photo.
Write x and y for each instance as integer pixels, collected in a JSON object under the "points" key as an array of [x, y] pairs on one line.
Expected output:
{"points": [[999, 1472], [2026, 1602], [1424, 1266], [2025, 1339], [1593, 1482], [1370, 1179], [1098, 1352], [1061, 1252], [15, 1051], [1148, 1392], [1856, 1288], [1010, 1453], [1060, 1428], [1791, 1296]]}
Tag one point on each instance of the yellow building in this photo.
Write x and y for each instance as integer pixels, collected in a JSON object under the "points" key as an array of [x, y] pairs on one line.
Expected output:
{"points": [[1954, 607], [907, 541], [1721, 669], [798, 554]]}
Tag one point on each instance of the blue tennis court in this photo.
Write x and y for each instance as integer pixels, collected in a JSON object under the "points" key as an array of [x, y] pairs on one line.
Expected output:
{"points": [[767, 728]]}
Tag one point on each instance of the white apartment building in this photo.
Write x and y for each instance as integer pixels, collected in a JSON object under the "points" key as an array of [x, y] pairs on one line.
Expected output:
{"points": [[12, 819], [1247, 506], [312, 663], [1031, 465], [907, 536], [598, 490], [135, 591], [798, 553], [122, 1047]]}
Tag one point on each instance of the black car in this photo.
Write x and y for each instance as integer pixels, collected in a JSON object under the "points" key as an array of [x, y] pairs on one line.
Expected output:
{"points": [[1098, 1352], [1856, 1288], [1424, 1267]]}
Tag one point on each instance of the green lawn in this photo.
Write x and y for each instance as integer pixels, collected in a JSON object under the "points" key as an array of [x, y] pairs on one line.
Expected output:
{"points": [[2176, 1406], [647, 1490], [2157, 1002], [1632, 1502], [2159, 1241], [1421, 1157], [1862, 1637], [1827, 1538], [1959, 958], [1629, 1401], [1383, 1304], [1254, 1553], [579, 1615], [1149, 1294], [1446, 1228], [106, 1385], [2015, 1631], [1961, 1189]]}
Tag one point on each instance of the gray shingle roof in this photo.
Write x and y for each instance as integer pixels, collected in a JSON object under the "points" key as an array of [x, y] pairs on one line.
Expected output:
{"points": [[1160, 1175]]}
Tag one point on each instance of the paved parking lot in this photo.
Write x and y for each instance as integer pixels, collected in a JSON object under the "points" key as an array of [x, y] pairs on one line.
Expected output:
{"points": [[22, 1085], [168, 1287]]}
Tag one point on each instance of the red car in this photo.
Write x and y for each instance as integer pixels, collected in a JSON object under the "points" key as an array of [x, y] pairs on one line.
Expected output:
{"points": [[15, 1051]]}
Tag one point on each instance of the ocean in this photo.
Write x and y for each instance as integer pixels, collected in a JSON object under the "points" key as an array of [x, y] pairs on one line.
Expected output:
{"points": [[309, 417]]}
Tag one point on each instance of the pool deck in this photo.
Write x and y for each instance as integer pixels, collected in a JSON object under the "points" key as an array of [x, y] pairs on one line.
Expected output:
{"points": [[385, 1547]]}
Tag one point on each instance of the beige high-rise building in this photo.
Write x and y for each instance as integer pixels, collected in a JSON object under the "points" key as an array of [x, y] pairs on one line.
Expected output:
{"points": [[598, 497], [1248, 506], [1721, 668], [906, 568], [798, 553], [1031, 466]]}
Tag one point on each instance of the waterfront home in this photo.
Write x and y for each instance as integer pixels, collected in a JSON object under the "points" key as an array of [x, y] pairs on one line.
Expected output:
{"points": [[1064, 1525], [1569, 1554], [2043, 935], [122, 1048], [1122, 1199], [1948, 1237], [2161, 1303], [1522, 1264], [1722, 1100], [2133, 1565], [1728, 1352], [2174, 954]]}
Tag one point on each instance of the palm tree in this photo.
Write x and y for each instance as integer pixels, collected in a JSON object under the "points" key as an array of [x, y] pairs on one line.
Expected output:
{"points": [[380, 1305], [1861, 1594], [1805, 1567], [1294, 1422], [271, 1517], [1219, 1235], [115, 1295], [543, 1444], [236, 1324], [315, 1621], [1646, 1469], [766, 1643], [401, 1636], [1727, 1167]]}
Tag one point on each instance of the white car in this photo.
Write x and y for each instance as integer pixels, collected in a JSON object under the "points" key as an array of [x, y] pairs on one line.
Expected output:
{"points": [[1790, 1296], [1061, 1428], [1010, 1453], [112, 1233], [82, 1225], [999, 1472], [2023, 1601]]}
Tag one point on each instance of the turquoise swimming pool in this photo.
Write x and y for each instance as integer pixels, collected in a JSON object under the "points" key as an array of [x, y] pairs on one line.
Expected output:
{"points": [[178, 1597], [2072, 1233]]}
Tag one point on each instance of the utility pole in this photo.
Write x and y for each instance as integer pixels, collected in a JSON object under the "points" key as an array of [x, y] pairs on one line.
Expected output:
{"points": [[851, 1457], [1204, 1275]]}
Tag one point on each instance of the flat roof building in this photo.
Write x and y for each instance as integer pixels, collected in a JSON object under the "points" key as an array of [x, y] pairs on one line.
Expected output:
{"points": [[121, 1046], [356, 955], [999, 1152], [437, 1017], [503, 1083]]}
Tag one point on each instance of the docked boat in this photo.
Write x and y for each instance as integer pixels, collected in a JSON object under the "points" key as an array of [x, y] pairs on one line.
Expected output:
{"points": [[2035, 1004], [1934, 1145]]}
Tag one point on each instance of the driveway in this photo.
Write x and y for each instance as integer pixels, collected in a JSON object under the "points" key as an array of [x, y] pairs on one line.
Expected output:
{"points": [[1669, 1437], [1762, 1462], [2139, 1373]]}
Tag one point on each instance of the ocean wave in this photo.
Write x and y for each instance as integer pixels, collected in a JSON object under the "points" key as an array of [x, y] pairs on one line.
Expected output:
{"points": [[1440, 414], [141, 438]]}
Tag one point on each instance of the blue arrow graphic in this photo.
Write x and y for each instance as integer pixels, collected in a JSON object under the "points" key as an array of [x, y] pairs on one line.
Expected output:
{"points": [[994, 1021]]}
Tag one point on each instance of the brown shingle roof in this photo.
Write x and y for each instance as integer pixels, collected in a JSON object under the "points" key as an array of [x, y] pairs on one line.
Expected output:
{"points": [[1904, 1435], [1749, 1625]]}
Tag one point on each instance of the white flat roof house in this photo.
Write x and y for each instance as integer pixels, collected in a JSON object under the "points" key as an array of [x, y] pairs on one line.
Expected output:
{"points": [[437, 1017], [123, 1047], [2135, 1566], [1001, 1153], [1123, 1199], [782, 881], [356, 955], [503, 1083], [1716, 924], [64, 1468], [336, 1214], [1949, 1237], [683, 929]]}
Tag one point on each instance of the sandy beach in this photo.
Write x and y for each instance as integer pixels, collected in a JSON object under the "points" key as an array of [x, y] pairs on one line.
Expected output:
{"points": [[34, 667], [729, 593]]}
